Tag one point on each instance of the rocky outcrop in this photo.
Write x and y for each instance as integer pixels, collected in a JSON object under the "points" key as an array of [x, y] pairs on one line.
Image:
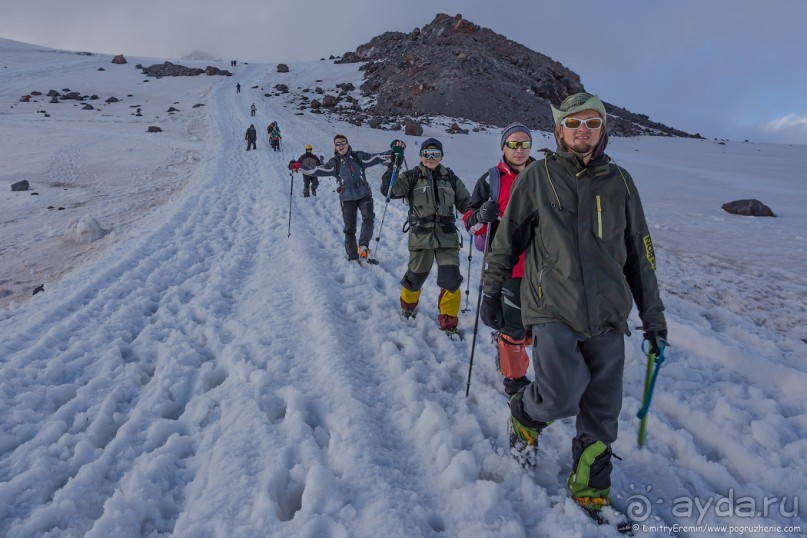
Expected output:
{"points": [[168, 69], [452, 67], [119, 59]]}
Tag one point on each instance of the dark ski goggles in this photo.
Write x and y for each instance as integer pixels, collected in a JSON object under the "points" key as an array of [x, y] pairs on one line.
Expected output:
{"points": [[431, 154]]}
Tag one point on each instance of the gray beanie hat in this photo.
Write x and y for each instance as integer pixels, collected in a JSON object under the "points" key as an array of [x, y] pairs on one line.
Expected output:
{"points": [[514, 128], [576, 103]]}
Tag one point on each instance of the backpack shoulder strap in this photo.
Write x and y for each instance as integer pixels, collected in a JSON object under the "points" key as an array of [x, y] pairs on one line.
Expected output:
{"points": [[452, 178]]}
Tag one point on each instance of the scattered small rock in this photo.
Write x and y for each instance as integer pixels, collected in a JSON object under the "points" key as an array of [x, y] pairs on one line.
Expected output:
{"points": [[456, 129], [20, 185], [119, 59], [413, 129], [39, 289], [282, 68], [154, 129], [749, 208]]}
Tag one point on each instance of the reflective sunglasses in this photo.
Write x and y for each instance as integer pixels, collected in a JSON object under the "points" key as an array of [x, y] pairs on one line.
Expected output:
{"points": [[575, 123], [512, 144], [431, 154], [340, 143]]}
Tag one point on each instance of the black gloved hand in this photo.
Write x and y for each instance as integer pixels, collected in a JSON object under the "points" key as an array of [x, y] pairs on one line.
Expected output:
{"points": [[489, 212], [654, 338], [491, 310]]}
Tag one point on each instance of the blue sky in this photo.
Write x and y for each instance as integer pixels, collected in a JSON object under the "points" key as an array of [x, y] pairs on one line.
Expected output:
{"points": [[722, 68]]}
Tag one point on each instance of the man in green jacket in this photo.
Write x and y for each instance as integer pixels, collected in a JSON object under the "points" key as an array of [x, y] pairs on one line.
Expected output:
{"points": [[432, 191], [578, 219]]}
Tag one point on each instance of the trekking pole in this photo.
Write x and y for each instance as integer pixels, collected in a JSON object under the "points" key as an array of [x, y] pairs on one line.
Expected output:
{"points": [[291, 190], [293, 167], [654, 361], [397, 152], [478, 304], [386, 203], [468, 286]]}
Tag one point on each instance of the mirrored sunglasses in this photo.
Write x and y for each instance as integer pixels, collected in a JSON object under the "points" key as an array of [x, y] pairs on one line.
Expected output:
{"points": [[575, 123], [512, 144], [431, 154], [340, 143]]}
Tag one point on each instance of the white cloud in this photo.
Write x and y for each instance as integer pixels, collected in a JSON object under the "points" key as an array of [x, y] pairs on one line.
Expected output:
{"points": [[789, 122]]}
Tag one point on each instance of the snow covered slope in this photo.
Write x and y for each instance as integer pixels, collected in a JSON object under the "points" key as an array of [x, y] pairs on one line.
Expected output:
{"points": [[196, 372]]}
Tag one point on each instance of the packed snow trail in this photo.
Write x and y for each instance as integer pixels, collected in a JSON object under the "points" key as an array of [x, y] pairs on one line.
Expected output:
{"points": [[228, 353]]}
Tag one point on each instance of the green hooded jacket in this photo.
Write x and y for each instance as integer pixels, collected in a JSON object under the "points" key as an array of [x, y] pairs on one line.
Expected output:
{"points": [[432, 198], [586, 243]]}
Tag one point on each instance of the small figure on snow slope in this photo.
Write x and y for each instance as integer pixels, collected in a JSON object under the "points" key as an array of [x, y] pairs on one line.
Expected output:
{"points": [[308, 160], [274, 136], [577, 218], [433, 192], [512, 339], [251, 137]]}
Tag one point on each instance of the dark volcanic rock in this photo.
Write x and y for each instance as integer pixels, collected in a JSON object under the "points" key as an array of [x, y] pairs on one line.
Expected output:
{"points": [[750, 208], [168, 69], [455, 68], [20, 185]]}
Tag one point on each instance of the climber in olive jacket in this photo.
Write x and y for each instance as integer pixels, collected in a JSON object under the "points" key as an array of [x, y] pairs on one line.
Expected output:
{"points": [[433, 192], [578, 219]]}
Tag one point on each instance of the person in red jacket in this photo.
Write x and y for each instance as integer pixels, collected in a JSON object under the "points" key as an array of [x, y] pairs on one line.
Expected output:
{"points": [[512, 339]]}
